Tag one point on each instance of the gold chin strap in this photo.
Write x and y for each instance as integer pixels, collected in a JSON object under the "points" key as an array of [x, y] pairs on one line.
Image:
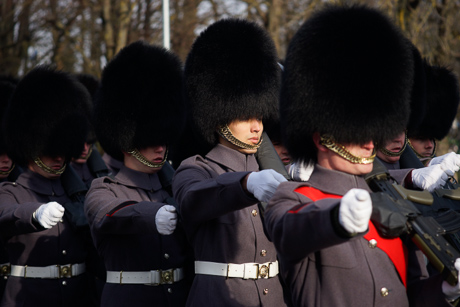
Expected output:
{"points": [[388, 153], [419, 155], [8, 172], [228, 135], [48, 169], [90, 151], [330, 144], [136, 154]]}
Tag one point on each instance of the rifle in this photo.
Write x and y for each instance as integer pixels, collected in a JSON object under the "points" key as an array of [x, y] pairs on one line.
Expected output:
{"points": [[166, 175], [76, 189], [268, 158], [392, 204]]}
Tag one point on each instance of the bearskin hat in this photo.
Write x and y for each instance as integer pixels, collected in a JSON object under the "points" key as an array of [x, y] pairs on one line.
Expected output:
{"points": [[348, 74], [92, 85], [47, 115], [442, 101], [140, 102], [418, 92], [6, 91], [231, 73]]}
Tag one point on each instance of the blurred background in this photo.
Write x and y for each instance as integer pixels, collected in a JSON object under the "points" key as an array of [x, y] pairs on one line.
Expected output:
{"points": [[82, 35]]}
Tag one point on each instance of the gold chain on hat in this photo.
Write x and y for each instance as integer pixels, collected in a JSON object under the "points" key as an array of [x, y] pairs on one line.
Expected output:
{"points": [[228, 135], [48, 169], [388, 153], [7, 173], [329, 143], [419, 155], [136, 154]]}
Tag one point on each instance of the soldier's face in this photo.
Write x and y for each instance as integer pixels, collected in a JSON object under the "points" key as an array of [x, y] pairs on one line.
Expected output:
{"points": [[282, 152], [394, 145], [248, 131], [5, 164], [154, 154], [329, 159], [84, 154], [55, 163], [424, 147]]}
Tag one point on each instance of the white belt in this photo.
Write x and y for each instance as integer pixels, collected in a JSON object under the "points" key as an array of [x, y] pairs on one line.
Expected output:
{"points": [[244, 270], [51, 271], [5, 269], [154, 277]]}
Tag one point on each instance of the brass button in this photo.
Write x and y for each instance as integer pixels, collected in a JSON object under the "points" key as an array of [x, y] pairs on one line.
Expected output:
{"points": [[64, 283], [384, 291], [64, 252], [265, 291], [166, 256], [170, 290], [373, 243], [254, 212], [61, 220], [263, 253]]}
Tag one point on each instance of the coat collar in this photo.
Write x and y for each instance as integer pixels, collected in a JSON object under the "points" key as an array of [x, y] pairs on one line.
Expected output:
{"points": [[39, 184], [335, 182], [135, 179], [233, 159]]}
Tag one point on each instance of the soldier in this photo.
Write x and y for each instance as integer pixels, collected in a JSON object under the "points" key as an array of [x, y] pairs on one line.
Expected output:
{"points": [[45, 126], [442, 103], [232, 82], [138, 115], [344, 89]]}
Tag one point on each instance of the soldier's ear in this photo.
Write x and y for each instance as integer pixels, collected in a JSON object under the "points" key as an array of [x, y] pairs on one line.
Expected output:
{"points": [[317, 140]]}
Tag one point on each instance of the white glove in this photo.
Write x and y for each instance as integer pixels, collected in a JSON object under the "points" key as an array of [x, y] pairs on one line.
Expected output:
{"points": [[430, 177], [49, 214], [452, 292], [355, 211], [166, 220], [263, 184], [450, 162]]}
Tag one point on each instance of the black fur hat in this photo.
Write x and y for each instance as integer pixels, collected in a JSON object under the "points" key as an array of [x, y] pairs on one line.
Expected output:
{"points": [[140, 102], [442, 101], [47, 115], [6, 91], [418, 92], [231, 73], [92, 85], [348, 73]]}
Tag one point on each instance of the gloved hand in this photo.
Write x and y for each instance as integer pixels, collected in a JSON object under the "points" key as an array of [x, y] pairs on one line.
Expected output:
{"points": [[263, 184], [450, 162], [355, 211], [49, 214], [429, 178], [452, 292], [166, 220]]}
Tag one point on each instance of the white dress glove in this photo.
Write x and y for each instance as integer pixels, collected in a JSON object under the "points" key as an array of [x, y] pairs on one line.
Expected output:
{"points": [[49, 214], [429, 178], [166, 220], [450, 162], [452, 292], [263, 184], [355, 211]]}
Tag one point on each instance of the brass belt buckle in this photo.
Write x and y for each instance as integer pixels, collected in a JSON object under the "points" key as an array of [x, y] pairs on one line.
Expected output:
{"points": [[167, 276], [5, 270], [65, 271], [264, 271]]}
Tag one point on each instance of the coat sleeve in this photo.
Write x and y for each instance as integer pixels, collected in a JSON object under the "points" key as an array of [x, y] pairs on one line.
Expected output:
{"points": [[298, 226], [203, 195], [108, 212], [15, 218]]}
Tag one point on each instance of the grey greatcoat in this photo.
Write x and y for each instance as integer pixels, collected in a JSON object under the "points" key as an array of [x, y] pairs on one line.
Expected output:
{"points": [[224, 225], [323, 268], [30, 244], [121, 212]]}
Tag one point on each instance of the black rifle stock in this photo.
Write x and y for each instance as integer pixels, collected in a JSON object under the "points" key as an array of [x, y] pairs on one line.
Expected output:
{"points": [[425, 231], [268, 158]]}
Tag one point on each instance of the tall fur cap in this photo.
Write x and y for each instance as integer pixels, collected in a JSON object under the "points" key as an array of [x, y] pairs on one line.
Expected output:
{"points": [[231, 73], [6, 91], [47, 115], [348, 73], [418, 93], [141, 99], [442, 90]]}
